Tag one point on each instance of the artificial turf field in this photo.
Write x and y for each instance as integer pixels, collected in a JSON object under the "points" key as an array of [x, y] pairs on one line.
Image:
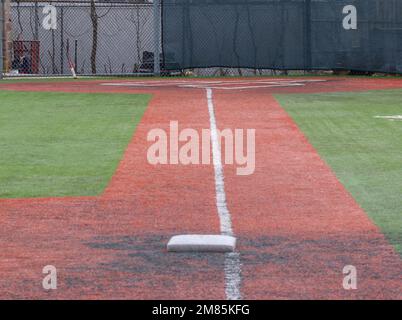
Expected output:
{"points": [[60, 144], [107, 213], [365, 152]]}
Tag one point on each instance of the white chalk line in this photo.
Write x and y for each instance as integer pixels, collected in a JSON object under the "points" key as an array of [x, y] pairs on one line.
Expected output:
{"points": [[244, 87], [153, 83], [232, 260], [224, 215], [391, 118], [218, 84]]}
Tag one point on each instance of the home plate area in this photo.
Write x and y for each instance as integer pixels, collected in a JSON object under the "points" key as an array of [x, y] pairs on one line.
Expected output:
{"points": [[216, 84]]}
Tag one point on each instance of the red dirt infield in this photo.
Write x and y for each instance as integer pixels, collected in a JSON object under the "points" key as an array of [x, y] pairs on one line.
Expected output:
{"points": [[297, 226]]}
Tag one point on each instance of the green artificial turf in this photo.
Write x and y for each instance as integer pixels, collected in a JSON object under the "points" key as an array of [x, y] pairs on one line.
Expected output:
{"points": [[364, 152], [63, 144]]}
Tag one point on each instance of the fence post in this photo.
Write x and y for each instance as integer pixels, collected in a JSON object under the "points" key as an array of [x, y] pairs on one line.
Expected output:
{"points": [[2, 37], [157, 34], [36, 35], [62, 39]]}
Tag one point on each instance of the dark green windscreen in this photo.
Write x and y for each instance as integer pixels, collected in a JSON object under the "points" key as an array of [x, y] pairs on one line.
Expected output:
{"points": [[361, 35]]}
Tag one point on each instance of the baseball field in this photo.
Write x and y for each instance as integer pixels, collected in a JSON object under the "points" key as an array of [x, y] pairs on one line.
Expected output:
{"points": [[78, 190]]}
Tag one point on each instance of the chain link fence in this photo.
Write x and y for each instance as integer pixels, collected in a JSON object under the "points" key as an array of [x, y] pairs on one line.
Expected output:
{"points": [[96, 38], [116, 37], [201, 37], [2, 39]]}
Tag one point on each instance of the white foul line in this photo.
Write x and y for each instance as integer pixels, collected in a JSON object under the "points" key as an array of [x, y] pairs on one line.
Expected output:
{"points": [[224, 215], [246, 87], [217, 84], [232, 260]]}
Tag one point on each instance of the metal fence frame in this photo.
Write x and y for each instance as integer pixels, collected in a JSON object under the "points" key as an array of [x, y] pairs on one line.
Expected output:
{"points": [[157, 16], [157, 44], [33, 32], [2, 36], [123, 64]]}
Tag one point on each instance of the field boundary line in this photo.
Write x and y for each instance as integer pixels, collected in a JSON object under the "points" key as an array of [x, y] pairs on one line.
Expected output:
{"points": [[232, 260]]}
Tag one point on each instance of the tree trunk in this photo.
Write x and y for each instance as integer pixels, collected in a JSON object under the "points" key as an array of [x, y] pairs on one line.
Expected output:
{"points": [[94, 19]]}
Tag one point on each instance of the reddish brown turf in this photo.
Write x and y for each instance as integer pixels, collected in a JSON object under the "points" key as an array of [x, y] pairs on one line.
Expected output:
{"points": [[297, 225], [331, 85], [114, 246]]}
